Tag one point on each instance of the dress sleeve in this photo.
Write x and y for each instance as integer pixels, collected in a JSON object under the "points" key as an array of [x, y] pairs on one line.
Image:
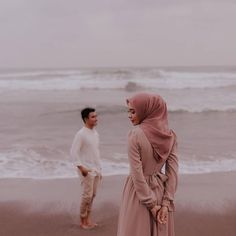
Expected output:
{"points": [[75, 150], [171, 170], [142, 189]]}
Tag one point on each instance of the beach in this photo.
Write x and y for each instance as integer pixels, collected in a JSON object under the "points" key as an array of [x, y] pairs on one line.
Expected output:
{"points": [[40, 189], [205, 205]]}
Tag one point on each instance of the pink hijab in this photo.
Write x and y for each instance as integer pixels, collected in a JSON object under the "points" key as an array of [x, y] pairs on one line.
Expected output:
{"points": [[152, 111]]}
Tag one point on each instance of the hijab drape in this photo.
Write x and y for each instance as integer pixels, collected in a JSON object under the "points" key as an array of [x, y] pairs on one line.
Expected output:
{"points": [[152, 112]]}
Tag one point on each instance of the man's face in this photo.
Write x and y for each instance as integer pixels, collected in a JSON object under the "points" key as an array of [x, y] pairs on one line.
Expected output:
{"points": [[92, 119]]}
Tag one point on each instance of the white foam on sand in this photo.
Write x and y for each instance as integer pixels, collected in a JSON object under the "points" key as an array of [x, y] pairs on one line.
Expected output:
{"points": [[30, 164]]}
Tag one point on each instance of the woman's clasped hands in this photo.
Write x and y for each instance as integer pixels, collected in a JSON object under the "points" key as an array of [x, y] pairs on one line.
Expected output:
{"points": [[160, 213]]}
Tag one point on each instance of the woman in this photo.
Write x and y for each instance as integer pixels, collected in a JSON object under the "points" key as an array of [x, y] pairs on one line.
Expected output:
{"points": [[147, 204]]}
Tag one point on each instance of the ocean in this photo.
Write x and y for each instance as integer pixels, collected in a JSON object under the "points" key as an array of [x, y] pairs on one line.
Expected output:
{"points": [[40, 116]]}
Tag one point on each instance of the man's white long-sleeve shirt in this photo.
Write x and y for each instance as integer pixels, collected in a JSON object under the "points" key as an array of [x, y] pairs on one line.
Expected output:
{"points": [[85, 150]]}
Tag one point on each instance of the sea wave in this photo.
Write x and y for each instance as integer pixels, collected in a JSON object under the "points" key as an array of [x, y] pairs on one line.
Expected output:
{"points": [[196, 75], [111, 84], [34, 74], [207, 166], [28, 163], [126, 79], [116, 110], [203, 110]]}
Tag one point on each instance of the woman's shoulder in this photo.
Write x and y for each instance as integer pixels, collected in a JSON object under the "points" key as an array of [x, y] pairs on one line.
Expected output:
{"points": [[136, 131]]}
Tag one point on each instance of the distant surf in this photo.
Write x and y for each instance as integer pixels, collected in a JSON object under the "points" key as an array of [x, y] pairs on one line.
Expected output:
{"points": [[128, 79]]}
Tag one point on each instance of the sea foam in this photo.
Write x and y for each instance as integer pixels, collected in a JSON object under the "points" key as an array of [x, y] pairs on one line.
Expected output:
{"points": [[28, 163]]}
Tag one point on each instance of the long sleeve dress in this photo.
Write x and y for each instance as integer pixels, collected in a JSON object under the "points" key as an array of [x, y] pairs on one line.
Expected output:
{"points": [[145, 187]]}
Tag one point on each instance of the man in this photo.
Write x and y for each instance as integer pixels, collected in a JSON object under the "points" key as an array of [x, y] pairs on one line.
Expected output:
{"points": [[86, 155]]}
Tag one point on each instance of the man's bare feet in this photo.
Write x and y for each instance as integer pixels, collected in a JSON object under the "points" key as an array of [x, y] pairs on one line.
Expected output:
{"points": [[86, 223], [90, 223], [87, 227], [93, 225]]}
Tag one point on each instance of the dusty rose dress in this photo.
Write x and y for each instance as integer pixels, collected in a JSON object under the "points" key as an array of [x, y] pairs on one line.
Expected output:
{"points": [[145, 187]]}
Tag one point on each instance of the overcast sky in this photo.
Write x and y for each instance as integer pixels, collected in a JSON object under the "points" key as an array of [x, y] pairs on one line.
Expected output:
{"points": [[110, 33]]}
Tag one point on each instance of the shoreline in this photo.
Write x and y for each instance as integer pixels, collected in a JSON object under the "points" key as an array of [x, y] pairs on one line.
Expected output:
{"points": [[115, 175], [72, 178], [50, 207]]}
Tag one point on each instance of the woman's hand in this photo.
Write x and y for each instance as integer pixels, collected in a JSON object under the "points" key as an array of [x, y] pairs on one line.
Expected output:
{"points": [[162, 215], [155, 210]]}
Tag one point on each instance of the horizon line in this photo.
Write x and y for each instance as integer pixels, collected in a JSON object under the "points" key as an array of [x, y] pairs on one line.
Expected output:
{"points": [[114, 67]]}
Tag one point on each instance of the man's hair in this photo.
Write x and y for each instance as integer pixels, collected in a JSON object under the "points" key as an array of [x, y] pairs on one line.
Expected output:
{"points": [[85, 112]]}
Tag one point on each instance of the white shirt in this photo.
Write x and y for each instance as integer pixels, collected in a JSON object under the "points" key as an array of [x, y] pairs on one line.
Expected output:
{"points": [[85, 150]]}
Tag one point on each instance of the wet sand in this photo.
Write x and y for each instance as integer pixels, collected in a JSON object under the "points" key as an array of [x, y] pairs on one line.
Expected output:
{"points": [[205, 205]]}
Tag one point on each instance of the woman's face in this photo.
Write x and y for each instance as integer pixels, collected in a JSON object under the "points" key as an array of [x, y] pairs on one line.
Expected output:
{"points": [[132, 115]]}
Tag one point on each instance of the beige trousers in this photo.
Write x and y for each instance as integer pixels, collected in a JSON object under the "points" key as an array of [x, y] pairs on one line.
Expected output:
{"points": [[89, 190]]}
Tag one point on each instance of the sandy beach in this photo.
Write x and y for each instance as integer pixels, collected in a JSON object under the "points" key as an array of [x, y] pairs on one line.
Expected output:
{"points": [[205, 206]]}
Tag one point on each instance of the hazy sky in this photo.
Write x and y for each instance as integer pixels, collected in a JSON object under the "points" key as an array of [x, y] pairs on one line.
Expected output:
{"points": [[76, 33]]}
